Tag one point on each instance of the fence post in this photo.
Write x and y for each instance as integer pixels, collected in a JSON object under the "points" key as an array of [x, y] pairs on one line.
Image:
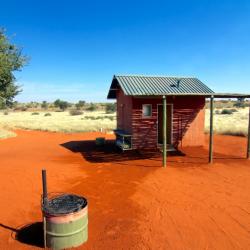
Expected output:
{"points": [[248, 136], [211, 140], [164, 135]]}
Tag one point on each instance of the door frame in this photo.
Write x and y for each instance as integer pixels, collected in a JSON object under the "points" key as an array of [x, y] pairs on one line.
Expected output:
{"points": [[172, 112]]}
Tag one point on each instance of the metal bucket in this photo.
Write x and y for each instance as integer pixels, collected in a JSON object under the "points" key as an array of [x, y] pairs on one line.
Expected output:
{"points": [[65, 221]]}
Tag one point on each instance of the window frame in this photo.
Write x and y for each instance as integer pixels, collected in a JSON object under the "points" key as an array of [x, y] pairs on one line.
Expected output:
{"points": [[151, 109]]}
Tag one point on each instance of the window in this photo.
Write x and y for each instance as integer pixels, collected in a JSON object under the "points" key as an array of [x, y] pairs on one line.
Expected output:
{"points": [[146, 110]]}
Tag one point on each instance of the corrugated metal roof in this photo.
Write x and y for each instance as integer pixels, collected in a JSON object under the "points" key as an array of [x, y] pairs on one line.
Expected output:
{"points": [[158, 85]]}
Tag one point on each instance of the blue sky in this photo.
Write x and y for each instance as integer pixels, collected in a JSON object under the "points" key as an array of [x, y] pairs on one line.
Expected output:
{"points": [[77, 46]]}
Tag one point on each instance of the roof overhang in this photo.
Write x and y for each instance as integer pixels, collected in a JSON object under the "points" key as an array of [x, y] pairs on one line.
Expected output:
{"points": [[113, 89], [215, 95], [116, 86]]}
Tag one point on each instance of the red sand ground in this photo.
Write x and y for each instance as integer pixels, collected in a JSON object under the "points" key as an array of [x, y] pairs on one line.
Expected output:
{"points": [[133, 204]]}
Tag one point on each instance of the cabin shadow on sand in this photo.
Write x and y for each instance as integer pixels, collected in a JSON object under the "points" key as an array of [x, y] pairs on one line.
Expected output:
{"points": [[108, 152], [111, 153]]}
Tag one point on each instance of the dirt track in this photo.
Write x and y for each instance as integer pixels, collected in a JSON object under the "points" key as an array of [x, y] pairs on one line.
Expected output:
{"points": [[133, 203]]}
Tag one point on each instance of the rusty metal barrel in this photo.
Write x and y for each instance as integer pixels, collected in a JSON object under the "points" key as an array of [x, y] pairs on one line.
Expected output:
{"points": [[65, 221]]}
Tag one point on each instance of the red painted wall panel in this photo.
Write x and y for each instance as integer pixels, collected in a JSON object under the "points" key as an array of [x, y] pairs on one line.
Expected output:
{"points": [[144, 129], [188, 120], [124, 111]]}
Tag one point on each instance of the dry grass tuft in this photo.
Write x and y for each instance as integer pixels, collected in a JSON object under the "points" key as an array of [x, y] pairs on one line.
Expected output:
{"points": [[59, 121], [229, 124], [6, 134]]}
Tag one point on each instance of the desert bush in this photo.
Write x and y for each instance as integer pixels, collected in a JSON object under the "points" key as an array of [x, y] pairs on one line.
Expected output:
{"points": [[75, 112], [24, 108], [92, 107], [217, 112], [234, 110], [110, 108], [44, 105], [80, 104], [240, 104], [61, 104], [100, 117], [90, 117], [35, 113], [226, 112], [5, 112], [47, 114]]}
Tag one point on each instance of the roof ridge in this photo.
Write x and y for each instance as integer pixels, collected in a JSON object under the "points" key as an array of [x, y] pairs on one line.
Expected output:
{"points": [[134, 75]]}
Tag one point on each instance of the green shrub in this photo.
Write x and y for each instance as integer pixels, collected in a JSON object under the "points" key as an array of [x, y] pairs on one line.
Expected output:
{"points": [[6, 113], [35, 113], [99, 118], [44, 105], [111, 118], [226, 112], [90, 117], [110, 108], [241, 104], [234, 110], [75, 112], [92, 107], [61, 104], [80, 104], [47, 114]]}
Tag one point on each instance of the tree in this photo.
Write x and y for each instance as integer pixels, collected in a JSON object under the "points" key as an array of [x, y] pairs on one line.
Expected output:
{"points": [[61, 104], [11, 60], [80, 104], [110, 108], [240, 103], [92, 107], [44, 105], [57, 103]]}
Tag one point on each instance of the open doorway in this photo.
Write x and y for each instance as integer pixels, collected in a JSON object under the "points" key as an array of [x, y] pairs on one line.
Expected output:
{"points": [[169, 123]]}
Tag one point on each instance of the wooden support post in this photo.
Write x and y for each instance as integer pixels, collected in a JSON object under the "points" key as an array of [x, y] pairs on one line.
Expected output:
{"points": [[164, 132], [248, 136], [211, 129]]}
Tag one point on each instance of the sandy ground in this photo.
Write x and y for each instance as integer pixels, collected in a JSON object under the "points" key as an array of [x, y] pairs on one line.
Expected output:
{"points": [[133, 203]]}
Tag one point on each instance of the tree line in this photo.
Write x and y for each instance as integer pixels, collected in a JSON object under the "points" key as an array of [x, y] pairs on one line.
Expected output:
{"points": [[61, 105]]}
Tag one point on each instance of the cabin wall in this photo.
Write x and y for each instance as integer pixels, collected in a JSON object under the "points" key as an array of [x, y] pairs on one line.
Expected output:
{"points": [[188, 122], [124, 111], [144, 130]]}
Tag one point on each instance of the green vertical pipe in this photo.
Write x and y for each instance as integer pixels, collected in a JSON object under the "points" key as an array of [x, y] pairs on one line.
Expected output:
{"points": [[211, 141], [248, 140], [44, 232], [164, 132]]}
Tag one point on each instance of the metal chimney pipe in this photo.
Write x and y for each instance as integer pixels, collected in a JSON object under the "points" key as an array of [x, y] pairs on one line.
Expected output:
{"points": [[178, 83]]}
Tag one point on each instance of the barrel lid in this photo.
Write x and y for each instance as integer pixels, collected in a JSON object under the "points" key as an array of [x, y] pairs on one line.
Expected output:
{"points": [[62, 204]]}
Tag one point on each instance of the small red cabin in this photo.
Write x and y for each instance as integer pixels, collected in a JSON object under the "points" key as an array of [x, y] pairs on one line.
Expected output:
{"points": [[140, 111]]}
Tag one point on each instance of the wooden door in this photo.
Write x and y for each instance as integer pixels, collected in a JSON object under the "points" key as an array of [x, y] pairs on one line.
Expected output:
{"points": [[169, 124]]}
